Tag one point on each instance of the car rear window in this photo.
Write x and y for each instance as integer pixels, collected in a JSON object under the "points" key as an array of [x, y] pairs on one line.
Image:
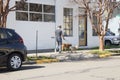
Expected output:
{"points": [[9, 33], [12, 33], [2, 34]]}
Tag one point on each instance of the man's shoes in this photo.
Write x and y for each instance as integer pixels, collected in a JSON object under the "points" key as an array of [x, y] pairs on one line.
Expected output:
{"points": [[57, 49]]}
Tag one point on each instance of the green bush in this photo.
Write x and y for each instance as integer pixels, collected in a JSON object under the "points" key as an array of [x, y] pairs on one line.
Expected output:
{"points": [[100, 52], [112, 46], [115, 51]]}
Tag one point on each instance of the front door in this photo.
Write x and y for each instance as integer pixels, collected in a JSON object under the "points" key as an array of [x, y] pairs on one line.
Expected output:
{"points": [[82, 31]]}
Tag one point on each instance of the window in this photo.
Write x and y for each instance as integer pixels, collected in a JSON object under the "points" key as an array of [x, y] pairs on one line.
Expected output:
{"points": [[22, 16], [68, 21], [35, 17], [36, 12], [49, 13], [22, 7], [49, 9], [22, 12], [35, 7], [95, 22], [3, 35], [49, 18]]}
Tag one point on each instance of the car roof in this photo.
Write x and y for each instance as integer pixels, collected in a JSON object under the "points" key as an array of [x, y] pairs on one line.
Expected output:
{"points": [[7, 29]]}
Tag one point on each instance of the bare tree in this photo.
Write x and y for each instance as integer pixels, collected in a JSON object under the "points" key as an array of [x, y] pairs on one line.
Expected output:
{"points": [[5, 9], [102, 10]]}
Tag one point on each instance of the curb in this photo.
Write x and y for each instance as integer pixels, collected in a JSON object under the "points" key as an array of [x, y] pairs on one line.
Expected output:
{"points": [[108, 55], [46, 61], [41, 61], [104, 55], [115, 54]]}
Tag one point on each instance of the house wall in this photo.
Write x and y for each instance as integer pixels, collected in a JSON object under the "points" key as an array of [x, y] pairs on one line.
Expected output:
{"points": [[60, 5], [92, 41], [27, 29]]}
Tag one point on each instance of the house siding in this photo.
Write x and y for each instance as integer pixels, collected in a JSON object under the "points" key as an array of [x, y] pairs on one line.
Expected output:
{"points": [[27, 29]]}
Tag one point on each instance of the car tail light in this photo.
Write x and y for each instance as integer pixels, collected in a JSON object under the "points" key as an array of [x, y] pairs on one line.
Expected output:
{"points": [[21, 40]]}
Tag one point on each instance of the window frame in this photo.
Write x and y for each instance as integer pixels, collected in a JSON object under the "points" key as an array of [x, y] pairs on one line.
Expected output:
{"points": [[68, 22], [41, 12]]}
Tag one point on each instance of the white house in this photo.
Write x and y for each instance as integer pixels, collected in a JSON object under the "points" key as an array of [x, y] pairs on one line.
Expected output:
{"points": [[42, 17]]}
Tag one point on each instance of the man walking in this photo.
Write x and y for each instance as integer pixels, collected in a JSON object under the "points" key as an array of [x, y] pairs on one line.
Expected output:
{"points": [[59, 36]]}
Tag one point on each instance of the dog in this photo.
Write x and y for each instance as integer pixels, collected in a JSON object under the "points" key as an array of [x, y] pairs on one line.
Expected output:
{"points": [[69, 48], [73, 49], [66, 46]]}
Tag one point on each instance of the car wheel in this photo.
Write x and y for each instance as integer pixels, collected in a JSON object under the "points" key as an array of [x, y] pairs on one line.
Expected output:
{"points": [[107, 43], [14, 62]]}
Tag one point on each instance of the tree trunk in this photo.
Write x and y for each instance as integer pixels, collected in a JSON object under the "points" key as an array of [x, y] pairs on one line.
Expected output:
{"points": [[3, 21], [101, 44]]}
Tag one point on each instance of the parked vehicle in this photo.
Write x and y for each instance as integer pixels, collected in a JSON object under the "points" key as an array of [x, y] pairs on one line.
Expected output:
{"points": [[12, 49], [111, 39]]}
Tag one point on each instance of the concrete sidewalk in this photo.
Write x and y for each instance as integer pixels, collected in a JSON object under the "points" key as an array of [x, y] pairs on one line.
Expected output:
{"points": [[67, 56], [65, 52], [49, 54]]}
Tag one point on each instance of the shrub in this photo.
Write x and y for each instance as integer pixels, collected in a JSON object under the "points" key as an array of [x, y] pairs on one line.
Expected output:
{"points": [[100, 52]]}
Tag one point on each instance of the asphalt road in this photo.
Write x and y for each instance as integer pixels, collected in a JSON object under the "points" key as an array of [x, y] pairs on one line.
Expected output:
{"points": [[96, 69]]}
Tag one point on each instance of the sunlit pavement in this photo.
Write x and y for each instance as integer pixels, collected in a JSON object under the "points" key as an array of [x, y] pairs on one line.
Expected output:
{"points": [[98, 69], [74, 56]]}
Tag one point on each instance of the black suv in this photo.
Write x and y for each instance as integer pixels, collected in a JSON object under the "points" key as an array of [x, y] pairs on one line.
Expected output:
{"points": [[12, 49]]}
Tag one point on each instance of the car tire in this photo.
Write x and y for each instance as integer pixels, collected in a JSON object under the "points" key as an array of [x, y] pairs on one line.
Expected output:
{"points": [[107, 43], [14, 62]]}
